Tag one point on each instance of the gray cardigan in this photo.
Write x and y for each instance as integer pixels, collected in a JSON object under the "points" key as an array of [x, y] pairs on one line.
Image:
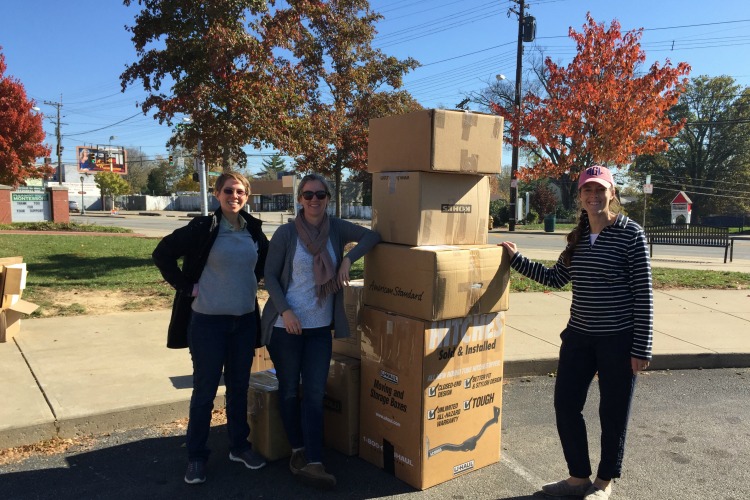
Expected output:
{"points": [[278, 271]]}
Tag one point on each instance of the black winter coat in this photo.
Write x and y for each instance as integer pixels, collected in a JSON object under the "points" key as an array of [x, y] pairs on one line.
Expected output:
{"points": [[193, 243]]}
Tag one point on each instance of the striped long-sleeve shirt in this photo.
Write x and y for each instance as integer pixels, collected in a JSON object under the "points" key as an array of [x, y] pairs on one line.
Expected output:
{"points": [[612, 292]]}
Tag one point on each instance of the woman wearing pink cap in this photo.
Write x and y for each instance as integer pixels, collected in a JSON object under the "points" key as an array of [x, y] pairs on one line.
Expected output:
{"points": [[609, 331]]}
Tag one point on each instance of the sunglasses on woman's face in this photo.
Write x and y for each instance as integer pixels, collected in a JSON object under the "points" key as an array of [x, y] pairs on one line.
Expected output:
{"points": [[230, 192], [308, 195]]}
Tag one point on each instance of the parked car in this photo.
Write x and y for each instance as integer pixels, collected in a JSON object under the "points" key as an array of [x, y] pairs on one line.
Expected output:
{"points": [[73, 206]]}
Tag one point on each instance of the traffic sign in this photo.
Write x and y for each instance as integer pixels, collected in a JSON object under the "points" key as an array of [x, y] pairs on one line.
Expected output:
{"points": [[648, 189]]}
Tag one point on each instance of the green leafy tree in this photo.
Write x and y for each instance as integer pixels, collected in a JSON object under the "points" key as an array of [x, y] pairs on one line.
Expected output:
{"points": [[323, 50], [709, 158], [21, 133], [161, 179], [186, 183], [111, 184], [271, 168]]}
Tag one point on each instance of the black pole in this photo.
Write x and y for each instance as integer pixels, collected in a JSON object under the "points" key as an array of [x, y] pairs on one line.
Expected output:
{"points": [[517, 113]]}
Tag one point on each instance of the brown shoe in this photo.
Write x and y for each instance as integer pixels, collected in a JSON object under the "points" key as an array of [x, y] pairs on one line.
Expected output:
{"points": [[316, 475], [297, 462]]}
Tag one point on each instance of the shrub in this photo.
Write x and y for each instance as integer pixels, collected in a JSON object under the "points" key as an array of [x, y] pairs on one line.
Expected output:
{"points": [[500, 212], [543, 200]]}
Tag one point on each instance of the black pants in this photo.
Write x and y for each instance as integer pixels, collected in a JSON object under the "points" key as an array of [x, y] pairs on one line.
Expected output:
{"points": [[581, 357]]}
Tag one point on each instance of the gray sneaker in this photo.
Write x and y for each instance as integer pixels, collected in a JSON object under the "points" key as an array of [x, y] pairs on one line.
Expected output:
{"points": [[316, 475], [297, 462], [248, 457], [564, 489], [196, 472]]}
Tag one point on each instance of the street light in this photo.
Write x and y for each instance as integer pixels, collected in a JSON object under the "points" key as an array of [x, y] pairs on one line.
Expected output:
{"points": [[200, 169], [111, 156]]}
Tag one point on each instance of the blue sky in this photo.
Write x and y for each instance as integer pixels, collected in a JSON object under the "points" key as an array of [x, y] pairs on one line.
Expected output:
{"points": [[78, 48]]}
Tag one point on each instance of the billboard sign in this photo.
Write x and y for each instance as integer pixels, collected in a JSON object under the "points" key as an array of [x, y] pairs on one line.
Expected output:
{"points": [[102, 159]]}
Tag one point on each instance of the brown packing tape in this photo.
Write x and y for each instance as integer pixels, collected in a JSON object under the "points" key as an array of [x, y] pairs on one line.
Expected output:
{"points": [[468, 125], [497, 128], [468, 163]]}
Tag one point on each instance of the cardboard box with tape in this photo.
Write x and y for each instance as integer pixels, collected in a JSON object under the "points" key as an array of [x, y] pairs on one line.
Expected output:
{"points": [[266, 429], [436, 140], [437, 282], [12, 306], [353, 302], [341, 405], [431, 395], [423, 208]]}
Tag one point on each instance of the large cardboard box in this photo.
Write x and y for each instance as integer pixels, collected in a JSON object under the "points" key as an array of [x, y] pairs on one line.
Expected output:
{"points": [[12, 307], [424, 208], [431, 395], [437, 282], [266, 429], [341, 405], [353, 302], [261, 360], [436, 140]]}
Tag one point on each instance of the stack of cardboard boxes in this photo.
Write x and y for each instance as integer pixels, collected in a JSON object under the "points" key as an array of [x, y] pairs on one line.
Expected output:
{"points": [[417, 388], [434, 291], [12, 306]]}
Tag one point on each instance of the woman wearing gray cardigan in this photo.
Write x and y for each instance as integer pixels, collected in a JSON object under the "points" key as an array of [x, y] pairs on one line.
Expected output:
{"points": [[305, 271]]}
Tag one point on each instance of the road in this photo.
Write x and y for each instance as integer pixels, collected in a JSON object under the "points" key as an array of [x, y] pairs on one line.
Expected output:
{"points": [[545, 245], [689, 439]]}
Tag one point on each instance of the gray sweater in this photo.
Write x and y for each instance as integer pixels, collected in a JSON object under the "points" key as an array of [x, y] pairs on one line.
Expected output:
{"points": [[278, 270]]}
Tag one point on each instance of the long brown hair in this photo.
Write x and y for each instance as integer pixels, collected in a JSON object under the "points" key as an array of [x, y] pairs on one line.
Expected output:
{"points": [[574, 237]]}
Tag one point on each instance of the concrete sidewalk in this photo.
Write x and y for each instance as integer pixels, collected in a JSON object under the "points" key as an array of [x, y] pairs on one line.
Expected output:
{"points": [[66, 376]]}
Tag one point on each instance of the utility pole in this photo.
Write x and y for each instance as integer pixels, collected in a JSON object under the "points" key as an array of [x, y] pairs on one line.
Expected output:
{"points": [[516, 129], [526, 33], [58, 135]]}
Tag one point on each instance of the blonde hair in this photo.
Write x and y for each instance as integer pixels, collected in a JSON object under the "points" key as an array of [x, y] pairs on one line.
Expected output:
{"points": [[225, 176]]}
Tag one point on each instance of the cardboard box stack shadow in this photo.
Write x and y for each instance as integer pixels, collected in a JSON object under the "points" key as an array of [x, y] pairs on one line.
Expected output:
{"points": [[12, 306], [434, 293]]}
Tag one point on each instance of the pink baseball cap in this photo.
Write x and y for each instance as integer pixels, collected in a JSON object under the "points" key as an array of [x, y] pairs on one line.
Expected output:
{"points": [[597, 173]]}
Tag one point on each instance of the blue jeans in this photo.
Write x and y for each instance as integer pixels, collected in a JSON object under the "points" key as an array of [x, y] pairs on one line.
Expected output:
{"points": [[220, 343], [581, 357], [307, 356]]}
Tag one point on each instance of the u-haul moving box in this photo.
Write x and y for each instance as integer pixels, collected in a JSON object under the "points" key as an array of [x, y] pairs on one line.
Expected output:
{"points": [[436, 140], [423, 208], [437, 282], [341, 405], [431, 395]]}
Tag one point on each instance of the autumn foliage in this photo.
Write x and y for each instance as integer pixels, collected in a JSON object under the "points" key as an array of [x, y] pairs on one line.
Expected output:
{"points": [[599, 109], [21, 133]]}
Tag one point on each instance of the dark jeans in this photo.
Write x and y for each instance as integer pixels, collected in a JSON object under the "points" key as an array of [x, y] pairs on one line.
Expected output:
{"points": [[581, 357], [307, 356], [220, 342]]}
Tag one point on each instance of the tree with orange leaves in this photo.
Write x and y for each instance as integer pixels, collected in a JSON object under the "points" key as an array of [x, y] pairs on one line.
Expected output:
{"points": [[21, 133], [596, 109]]}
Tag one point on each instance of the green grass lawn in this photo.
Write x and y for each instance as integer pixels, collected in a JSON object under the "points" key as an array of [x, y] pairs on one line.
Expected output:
{"points": [[58, 263]]}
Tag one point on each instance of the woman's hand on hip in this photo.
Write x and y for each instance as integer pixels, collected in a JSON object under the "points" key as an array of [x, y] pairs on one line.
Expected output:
{"points": [[291, 322]]}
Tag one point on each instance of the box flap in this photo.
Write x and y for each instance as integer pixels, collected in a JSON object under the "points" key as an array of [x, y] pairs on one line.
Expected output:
{"points": [[23, 306]]}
